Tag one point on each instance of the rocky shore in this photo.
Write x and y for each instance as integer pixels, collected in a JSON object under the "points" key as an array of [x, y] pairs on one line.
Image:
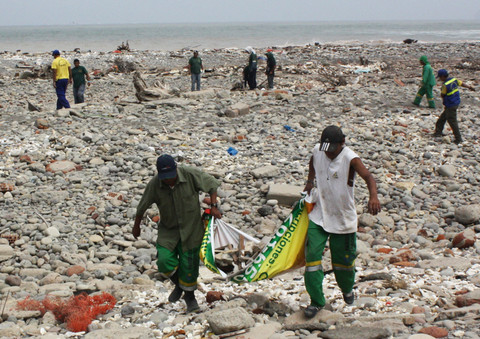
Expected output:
{"points": [[70, 181]]}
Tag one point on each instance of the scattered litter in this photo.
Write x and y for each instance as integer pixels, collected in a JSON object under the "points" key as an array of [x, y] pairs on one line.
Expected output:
{"points": [[77, 311], [362, 70], [232, 151]]}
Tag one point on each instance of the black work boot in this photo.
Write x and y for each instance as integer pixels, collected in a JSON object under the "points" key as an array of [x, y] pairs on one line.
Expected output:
{"points": [[191, 302], [311, 311], [177, 291]]}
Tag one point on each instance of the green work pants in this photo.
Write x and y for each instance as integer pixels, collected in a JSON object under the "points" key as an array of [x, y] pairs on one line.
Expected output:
{"points": [[186, 263], [449, 114], [343, 250], [421, 92]]}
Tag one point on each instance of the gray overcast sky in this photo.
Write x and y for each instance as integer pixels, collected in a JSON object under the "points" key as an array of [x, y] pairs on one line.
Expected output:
{"points": [[58, 12]]}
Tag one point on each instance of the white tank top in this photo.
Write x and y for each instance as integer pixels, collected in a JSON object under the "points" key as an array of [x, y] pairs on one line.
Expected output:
{"points": [[335, 205]]}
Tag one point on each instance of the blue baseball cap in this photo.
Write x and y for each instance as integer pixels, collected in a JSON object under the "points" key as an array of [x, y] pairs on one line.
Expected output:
{"points": [[56, 52], [442, 73], [166, 167]]}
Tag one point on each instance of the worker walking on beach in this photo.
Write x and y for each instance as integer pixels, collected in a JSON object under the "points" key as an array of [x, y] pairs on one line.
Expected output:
{"points": [[271, 65], [334, 216], [180, 230], [62, 76], [78, 74], [195, 68], [251, 71], [428, 81], [451, 100]]}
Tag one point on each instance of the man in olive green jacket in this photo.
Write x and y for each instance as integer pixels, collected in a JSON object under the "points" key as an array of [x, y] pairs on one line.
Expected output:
{"points": [[428, 81], [180, 230]]}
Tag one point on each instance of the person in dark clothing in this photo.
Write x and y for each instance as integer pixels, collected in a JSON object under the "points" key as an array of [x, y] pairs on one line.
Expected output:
{"points": [[252, 68], [195, 68], [270, 71], [180, 230], [451, 101], [78, 74]]}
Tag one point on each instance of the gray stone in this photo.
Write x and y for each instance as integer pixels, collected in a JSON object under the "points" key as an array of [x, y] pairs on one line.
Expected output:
{"points": [[356, 332], [467, 214], [202, 94], [322, 321], [158, 317], [366, 219], [135, 332], [230, 320], [459, 312], [265, 210], [285, 194], [127, 310], [61, 166], [447, 170], [52, 232], [262, 331], [13, 280], [237, 110], [266, 172], [365, 302], [458, 264], [6, 252]]}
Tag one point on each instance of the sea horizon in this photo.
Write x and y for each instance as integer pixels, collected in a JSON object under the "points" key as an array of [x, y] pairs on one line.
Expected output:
{"points": [[178, 36]]}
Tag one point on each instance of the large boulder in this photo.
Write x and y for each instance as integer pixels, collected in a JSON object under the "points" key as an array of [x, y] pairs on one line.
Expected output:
{"points": [[447, 170], [230, 320], [467, 214], [237, 110], [285, 194], [266, 172], [6, 252], [464, 239]]}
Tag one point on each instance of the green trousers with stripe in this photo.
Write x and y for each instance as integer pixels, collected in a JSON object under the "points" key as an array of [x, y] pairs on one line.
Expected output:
{"points": [[185, 263], [428, 90], [343, 251]]}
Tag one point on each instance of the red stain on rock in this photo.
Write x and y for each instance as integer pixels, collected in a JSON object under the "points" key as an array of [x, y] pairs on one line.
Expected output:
{"points": [[464, 239], [384, 250], [25, 158], [76, 269], [214, 296], [418, 310], [435, 331], [405, 264], [402, 255], [4, 187]]}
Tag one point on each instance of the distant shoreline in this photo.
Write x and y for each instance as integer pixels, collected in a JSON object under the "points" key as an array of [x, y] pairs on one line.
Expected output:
{"points": [[174, 37], [380, 43]]}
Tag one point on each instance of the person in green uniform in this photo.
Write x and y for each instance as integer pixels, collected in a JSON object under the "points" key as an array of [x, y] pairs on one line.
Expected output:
{"points": [[180, 230], [428, 81], [271, 65], [78, 74], [252, 68], [195, 68]]}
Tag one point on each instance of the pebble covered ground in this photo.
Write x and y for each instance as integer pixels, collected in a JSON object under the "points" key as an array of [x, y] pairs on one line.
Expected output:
{"points": [[70, 181]]}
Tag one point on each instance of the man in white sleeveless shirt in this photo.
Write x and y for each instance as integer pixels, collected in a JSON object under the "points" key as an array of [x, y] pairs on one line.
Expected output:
{"points": [[334, 215]]}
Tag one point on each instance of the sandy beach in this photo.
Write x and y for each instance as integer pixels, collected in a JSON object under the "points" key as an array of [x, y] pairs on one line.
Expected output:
{"points": [[70, 181]]}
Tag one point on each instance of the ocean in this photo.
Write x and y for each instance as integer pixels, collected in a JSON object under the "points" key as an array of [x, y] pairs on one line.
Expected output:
{"points": [[168, 37]]}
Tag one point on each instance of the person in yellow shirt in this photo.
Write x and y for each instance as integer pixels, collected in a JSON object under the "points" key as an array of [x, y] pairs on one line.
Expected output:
{"points": [[62, 76]]}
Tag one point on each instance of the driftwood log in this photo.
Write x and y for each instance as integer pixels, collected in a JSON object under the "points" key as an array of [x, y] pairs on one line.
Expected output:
{"points": [[143, 93]]}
